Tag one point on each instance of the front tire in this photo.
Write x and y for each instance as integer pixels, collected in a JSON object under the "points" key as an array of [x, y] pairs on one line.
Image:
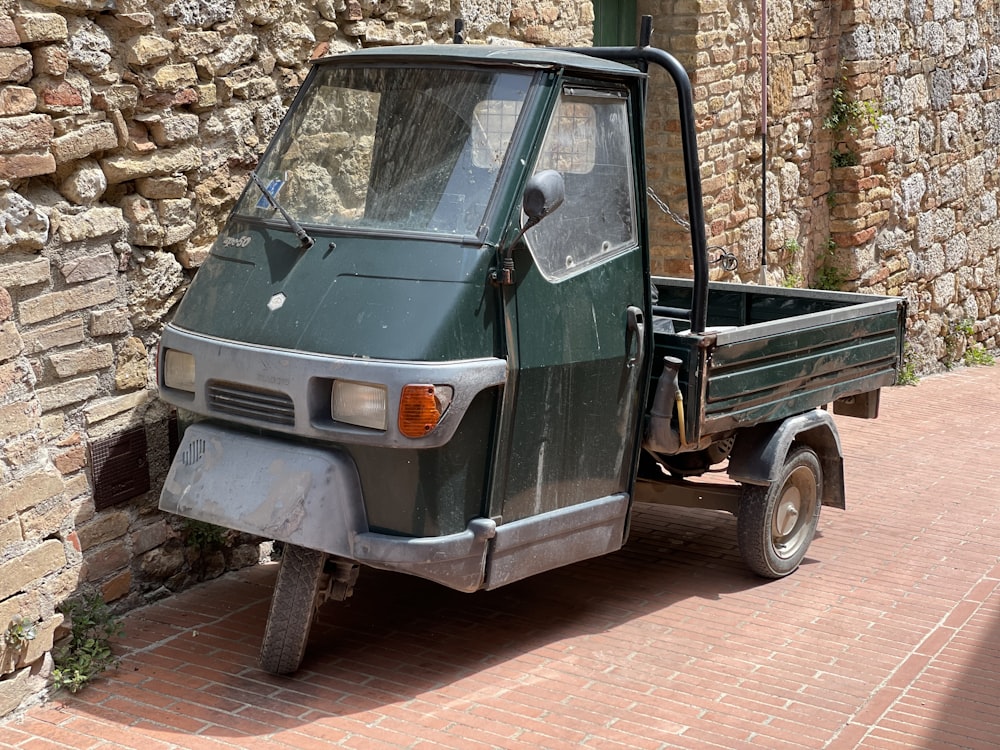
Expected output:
{"points": [[294, 603], [776, 524]]}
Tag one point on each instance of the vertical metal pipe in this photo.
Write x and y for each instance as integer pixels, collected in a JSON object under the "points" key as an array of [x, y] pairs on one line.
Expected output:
{"points": [[645, 31], [763, 142]]}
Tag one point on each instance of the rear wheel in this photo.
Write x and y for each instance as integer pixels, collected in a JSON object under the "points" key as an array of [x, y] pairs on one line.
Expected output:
{"points": [[776, 524], [294, 603]]}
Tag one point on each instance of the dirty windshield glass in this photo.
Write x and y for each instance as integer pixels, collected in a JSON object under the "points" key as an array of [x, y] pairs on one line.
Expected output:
{"points": [[401, 149]]}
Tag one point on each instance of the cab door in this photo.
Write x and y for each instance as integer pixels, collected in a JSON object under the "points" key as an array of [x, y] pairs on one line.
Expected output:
{"points": [[576, 316]]}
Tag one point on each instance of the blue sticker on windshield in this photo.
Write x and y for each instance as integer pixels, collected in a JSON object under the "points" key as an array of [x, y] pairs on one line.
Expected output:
{"points": [[272, 189]]}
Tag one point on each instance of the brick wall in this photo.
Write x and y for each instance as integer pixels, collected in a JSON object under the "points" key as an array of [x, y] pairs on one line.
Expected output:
{"points": [[900, 198]]}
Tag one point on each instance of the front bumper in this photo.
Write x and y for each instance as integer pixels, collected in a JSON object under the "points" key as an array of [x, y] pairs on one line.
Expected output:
{"points": [[310, 497]]}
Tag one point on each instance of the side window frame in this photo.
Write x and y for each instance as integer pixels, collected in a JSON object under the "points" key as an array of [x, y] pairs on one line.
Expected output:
{"points": [[565, 243]]}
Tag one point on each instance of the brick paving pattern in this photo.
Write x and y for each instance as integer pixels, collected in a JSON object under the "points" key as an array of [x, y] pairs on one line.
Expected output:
{"points": [[887, 637]]}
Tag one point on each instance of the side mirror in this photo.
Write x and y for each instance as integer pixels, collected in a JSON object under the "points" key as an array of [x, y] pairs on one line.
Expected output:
{"points": [[543, 194]]}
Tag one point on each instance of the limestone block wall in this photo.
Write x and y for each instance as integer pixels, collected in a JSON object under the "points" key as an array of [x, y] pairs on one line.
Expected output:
{"points": [[918, 214], [127, 130]]}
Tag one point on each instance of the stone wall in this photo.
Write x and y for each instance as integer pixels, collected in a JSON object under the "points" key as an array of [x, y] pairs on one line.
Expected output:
{"points": [[882, 153], [918, 214], [719, 44], [127, 130]]}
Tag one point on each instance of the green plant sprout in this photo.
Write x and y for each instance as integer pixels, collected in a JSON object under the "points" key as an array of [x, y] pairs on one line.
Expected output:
{"points": [[203, 535], [88, 651], [848, 115], [19, 633], [793, 281], [978, 356], [908, 371]]}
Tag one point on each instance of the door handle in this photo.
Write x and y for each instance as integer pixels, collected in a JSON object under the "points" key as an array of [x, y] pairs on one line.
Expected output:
{"points": [[635, 333]]}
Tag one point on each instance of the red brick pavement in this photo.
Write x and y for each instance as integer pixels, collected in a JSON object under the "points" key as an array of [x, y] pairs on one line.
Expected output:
{"points": [[887, 637]]}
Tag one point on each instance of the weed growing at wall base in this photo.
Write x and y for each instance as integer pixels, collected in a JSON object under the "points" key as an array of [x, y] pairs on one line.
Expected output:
{"points": [[908, 371], [203, 535], [955, 341], [88, 652], [977, 355]]}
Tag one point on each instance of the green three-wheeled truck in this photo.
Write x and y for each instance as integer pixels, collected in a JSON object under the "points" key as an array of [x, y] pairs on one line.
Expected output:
{"points": [[428, 340]]}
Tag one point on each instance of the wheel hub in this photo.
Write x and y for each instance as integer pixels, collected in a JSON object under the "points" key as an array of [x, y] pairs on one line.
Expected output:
{"points": [[787, 512], [790, 517]]}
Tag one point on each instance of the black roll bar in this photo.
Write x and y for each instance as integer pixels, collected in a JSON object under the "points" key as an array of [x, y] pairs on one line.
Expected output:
{"points": [[641, 57]]}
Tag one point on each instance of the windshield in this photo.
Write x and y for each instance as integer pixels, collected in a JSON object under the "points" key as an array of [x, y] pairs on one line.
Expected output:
{"points": [[401, 149]]}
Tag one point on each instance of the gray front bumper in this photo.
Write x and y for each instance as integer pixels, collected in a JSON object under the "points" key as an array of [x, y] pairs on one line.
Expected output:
{"points": [[310, 497]]}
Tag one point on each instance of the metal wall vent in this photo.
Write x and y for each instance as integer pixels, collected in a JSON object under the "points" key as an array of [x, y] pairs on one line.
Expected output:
{"points": [[120, 466]]}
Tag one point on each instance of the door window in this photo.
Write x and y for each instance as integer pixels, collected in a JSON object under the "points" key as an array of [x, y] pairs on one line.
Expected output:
{"points": [[588, 142]]}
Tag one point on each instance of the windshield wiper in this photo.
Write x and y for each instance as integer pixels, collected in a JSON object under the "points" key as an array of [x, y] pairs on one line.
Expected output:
{"points": [[305, 241]]}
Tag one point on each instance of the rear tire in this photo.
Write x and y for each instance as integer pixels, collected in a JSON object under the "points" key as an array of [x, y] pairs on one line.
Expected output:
{"points": [[294, 603], [776, 524]]}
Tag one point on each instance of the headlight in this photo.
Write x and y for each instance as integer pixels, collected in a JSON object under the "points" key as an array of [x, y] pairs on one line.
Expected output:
{"points": [[361, 404], [178, 370]]}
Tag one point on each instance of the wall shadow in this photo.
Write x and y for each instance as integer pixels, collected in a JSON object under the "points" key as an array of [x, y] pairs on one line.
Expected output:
{"points": [[969, 717]]}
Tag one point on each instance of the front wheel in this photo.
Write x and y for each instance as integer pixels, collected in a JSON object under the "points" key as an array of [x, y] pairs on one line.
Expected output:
{"points": [[293, 604], [776, 524]]}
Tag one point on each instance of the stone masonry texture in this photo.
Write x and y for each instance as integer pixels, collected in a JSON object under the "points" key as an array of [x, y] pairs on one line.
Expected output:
{"points": [[882, 138], [127, 131]]}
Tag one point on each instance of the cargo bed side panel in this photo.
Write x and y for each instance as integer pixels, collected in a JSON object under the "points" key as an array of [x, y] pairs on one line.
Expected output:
{"points": [[769, 354], [782, 373]]}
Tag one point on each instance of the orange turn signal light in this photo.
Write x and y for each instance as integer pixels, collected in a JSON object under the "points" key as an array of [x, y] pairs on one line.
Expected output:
{"points": [[421, 407]]}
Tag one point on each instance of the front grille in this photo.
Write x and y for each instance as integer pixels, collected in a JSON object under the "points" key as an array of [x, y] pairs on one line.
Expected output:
{"points": [[238, 400]]}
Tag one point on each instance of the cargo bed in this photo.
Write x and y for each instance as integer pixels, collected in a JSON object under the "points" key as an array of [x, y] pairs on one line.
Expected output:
{"points": [[769, 353]]}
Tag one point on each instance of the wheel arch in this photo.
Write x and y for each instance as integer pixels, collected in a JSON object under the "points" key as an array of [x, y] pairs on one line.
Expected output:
{"points": [[760, 451]]}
